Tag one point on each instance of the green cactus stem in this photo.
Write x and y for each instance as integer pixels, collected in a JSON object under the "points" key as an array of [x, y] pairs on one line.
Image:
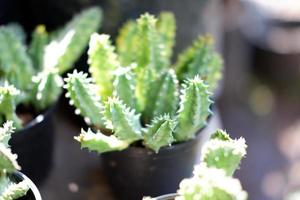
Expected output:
{"points": [[5, 133], [151, 52], [18, 30], [194, 109], [200, 59], [36, 50], [99, 142], [123, 121], [8, 161], [15, 63], [224, 153], [159, 133], [83, 94], [8, 95], [166, 26], [71, 41], [125, 86], [103, 61], [210, 184], [11, 191], [47, 87], [8, 165], [162, 97], [127, 42]]}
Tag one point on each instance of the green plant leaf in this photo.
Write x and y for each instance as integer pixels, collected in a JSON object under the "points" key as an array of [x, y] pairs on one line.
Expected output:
{"points": [[159, 133], [103, 61], [83, 95], [99, 142], [194, 109], [122, 121]]}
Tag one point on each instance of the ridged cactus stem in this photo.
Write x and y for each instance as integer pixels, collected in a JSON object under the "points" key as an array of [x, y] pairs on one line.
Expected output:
{"points": [[5, 132], [9, 190], [103, 61], [127, 42], [159, 133], [15, 64], [68, 45], [223, 152], [122, 120], [162, 98], [210, 184], [99, 142], [83, 94], [47, 88], [37, 46], [201, 59], [166, 27], [8, 95], [194, 109], [125, 86]]}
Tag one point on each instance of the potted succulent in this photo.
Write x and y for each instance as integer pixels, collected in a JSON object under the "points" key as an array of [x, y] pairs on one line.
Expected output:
{"points": [[13, 184], [31, 83], [213, 179], [139, 105]]}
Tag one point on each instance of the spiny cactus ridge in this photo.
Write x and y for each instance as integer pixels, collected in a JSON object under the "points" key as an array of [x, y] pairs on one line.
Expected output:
{"points": [[9, 190], [134, 94], [36, 70]]}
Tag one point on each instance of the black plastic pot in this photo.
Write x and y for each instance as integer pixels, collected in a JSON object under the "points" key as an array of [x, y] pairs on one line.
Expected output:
{"points": [[137, 171], [34, 146], [33, 193]]}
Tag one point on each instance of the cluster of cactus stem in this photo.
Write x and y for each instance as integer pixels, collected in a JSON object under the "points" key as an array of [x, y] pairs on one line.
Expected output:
{"points": [[9, 190], [31, 75], [212, 179], [135, 94]]}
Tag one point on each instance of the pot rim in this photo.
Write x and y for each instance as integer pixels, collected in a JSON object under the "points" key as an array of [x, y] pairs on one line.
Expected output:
{"points": [[166, 196], [39, 118], [31, 185]]}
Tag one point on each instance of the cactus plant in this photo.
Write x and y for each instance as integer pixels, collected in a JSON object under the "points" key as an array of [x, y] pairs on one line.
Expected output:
{"points": [[135, 95], [212, 179], [9, 190], [35, 71]]}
